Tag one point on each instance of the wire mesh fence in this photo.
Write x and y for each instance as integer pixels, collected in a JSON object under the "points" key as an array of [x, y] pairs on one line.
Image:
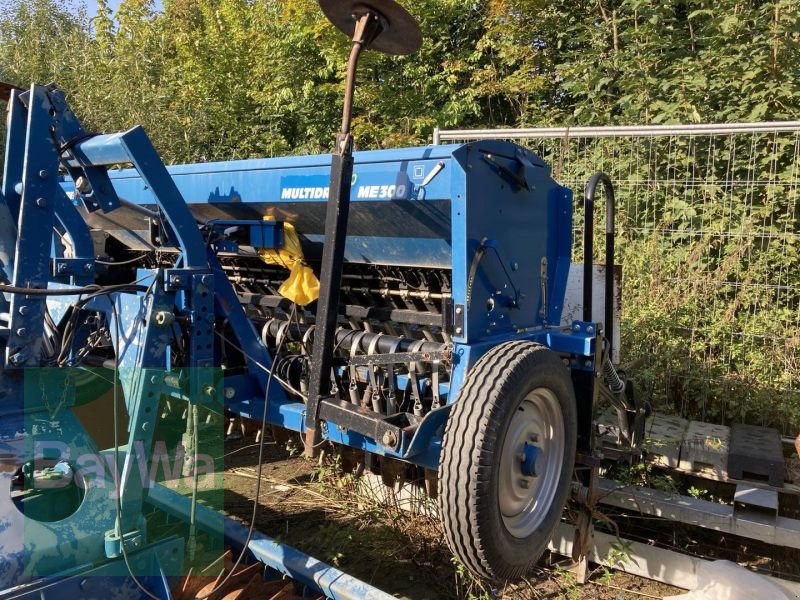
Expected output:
{"points": [[709, 239]]}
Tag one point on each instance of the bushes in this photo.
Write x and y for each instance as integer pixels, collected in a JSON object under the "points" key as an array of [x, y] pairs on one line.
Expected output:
{"points": [[708, 239]]}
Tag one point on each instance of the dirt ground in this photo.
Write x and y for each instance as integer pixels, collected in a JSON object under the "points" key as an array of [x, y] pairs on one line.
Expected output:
{"points": [[319, 510]]}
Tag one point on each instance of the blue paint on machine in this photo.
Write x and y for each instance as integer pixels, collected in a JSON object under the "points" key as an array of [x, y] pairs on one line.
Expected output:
{"points": [[153, 297]]}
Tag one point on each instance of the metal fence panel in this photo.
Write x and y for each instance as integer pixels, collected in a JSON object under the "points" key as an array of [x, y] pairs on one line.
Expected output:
{"points": [[708, 230]]}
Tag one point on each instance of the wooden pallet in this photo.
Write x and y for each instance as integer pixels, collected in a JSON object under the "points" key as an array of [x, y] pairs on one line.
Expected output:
{"points": [[704, 450]]}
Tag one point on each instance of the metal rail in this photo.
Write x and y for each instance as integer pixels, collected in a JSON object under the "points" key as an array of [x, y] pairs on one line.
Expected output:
{"points": [[652, 562], [332, 582], [726, 518], [440, 135]]}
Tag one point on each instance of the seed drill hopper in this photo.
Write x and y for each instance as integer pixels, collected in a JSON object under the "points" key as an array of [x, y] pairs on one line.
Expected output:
{"points": [[407, 305]]}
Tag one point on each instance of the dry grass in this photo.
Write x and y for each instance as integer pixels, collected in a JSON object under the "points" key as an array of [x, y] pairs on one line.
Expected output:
{"points": [[390, 540]]}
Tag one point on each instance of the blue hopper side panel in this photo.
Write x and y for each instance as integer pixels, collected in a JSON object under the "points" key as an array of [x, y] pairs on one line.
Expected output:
{"points": [[430, 207]]}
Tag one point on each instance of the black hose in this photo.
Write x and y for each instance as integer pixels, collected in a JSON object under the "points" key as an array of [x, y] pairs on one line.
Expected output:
{"points": [[89, 289]]}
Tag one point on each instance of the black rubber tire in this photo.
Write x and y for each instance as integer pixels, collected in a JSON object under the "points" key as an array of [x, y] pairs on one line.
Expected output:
{"points": [[469, 464]]}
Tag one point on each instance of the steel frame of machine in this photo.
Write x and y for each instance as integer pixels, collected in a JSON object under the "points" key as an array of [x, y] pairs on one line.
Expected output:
{"points": [[59, 557], [291, 184], [45, 137]]}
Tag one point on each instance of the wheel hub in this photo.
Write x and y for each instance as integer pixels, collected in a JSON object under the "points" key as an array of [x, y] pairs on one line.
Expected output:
{"points": [[530, 454]]}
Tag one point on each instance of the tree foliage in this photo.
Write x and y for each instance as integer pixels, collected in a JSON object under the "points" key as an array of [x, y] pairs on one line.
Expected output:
{"points": [[234, 78]]}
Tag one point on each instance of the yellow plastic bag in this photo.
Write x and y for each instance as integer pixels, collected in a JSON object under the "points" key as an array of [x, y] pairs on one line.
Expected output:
{"points": [[302, 286]]}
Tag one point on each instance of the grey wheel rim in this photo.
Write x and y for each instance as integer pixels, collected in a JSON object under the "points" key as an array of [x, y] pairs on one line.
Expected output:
{"points": [[526, 499]]}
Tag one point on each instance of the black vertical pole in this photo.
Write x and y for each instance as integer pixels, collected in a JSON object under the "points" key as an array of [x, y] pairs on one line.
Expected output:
{"points": [[588, 247], [609, 316], [588, 250], [368, 26], [330, 286]]}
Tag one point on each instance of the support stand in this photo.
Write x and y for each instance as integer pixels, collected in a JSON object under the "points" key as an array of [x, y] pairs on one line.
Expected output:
{"points": [[382, 25]]}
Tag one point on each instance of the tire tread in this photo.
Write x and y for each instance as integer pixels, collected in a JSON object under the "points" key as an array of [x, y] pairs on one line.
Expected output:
{"points": [[472, 427]]}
